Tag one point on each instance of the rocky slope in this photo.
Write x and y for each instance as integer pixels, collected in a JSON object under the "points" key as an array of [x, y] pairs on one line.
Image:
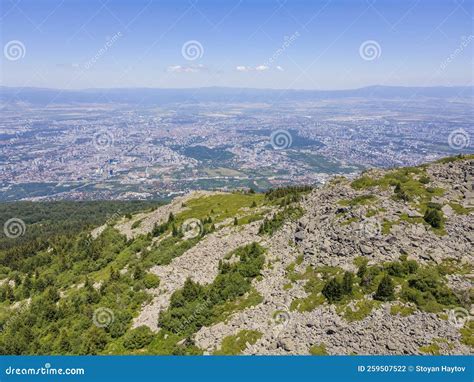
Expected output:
{"points": [[379, 218]]}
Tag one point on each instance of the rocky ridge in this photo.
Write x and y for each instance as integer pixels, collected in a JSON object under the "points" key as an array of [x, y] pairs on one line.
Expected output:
{"points": [[334, 231]]}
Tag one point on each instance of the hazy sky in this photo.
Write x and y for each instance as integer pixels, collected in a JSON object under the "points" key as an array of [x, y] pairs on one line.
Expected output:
{"points": [[266, 44]]}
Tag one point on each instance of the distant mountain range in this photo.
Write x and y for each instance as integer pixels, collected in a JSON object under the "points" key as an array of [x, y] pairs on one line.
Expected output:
{"points": [[150, 96]]}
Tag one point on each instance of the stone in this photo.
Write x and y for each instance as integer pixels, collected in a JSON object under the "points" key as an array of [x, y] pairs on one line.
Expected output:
{"points": [[365, 249]]}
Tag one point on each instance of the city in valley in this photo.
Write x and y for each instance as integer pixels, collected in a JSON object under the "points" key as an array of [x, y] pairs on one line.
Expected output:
{"points": [[64, 149]]}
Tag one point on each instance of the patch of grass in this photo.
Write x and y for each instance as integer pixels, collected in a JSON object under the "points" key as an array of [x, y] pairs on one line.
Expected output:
{"points": [[371, 213], [220, 206], [387, 226], [236, 344], [467, 334], [453, 266], [349, 221], [318, 349], [412, 220], [291, 274], [359, 261], [251, 218], [455, 158], [137, 223], [409, 186], [270, 226], [314, 285], [444, 341], [402, 310], [224, 311], [307, 304], [432, 349], [362, 309], [364, 182], [168, 249], [460, 210], [164, 343], [428, 291]]}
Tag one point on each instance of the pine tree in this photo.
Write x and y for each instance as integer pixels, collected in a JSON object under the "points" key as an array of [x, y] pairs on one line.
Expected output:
{"points": [[175, 231], [433, 217], [9, 295], [332, 290], [138, 273], [362, 271], [385, 290], [114, 275], [347, 282]]}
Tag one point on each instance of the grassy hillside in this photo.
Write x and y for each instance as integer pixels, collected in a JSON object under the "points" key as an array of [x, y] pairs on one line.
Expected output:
{"points": [[64, 292]]}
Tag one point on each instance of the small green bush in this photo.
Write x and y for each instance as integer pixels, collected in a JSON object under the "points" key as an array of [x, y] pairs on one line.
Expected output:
{"points": [[151, 281], [385, 290], [137, 338], [333, 290]]}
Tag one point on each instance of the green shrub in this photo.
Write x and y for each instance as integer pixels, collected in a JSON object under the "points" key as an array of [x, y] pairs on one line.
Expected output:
{"points": [[433, 217], [151, 281], [138, 338], [233, 345], [347, 282], [318, 349], [401, 268], [425, 179], [195, 305], [270, 226], [333, 290], [385, 290], [428, 291]]}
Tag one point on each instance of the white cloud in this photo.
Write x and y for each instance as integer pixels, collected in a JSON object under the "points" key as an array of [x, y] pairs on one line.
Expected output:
{"points": [[259, 68], [242, 68], [186, 68], [280, 68]]}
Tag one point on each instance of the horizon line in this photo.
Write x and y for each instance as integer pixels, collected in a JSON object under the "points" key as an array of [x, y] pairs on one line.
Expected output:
{"points": [[240, 88]]}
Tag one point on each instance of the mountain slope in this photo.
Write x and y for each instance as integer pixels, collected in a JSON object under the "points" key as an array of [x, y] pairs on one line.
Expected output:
{"points": [[379, 265]]}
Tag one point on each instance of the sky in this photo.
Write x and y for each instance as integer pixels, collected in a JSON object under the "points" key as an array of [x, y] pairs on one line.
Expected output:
{"points": [[328, 44]]}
